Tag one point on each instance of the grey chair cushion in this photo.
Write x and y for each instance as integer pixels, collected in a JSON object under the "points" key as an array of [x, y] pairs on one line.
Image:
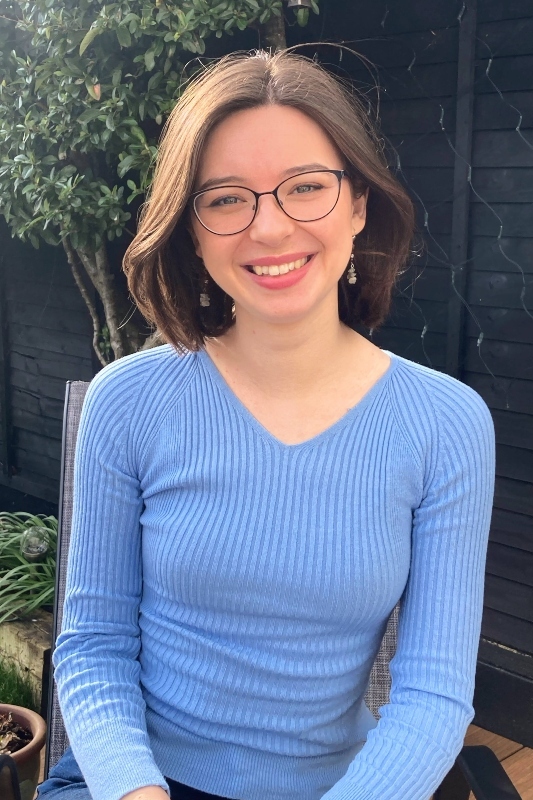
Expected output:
{"points": [[378, 691]]}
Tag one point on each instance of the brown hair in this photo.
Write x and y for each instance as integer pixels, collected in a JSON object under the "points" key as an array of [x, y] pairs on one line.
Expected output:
{"points": [[166, 277]]}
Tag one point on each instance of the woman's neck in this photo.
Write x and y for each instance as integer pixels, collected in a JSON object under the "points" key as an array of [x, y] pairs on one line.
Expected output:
{"points": [[286, 359]]}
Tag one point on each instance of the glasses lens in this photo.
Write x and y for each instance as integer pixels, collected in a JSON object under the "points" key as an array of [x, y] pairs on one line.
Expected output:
{"points": [[309, 196], [227, 209]]}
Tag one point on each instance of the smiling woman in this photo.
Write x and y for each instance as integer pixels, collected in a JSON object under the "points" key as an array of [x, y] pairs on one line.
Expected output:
{"points": [[253, 498], [307, 222], [160, 263]]}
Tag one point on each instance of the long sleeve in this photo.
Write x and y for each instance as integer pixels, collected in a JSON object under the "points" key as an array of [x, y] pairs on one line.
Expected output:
{"points": [[96, 666], [422, 728]]}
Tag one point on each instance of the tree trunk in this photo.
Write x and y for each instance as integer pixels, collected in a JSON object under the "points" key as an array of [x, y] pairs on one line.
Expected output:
{"points": [[272, 33], [97, 268], [76, 271], [120, 308], [124, 335]]}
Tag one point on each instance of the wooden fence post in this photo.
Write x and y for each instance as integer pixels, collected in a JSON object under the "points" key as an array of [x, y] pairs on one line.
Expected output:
{"points": [[461, 187], [5, 398]]}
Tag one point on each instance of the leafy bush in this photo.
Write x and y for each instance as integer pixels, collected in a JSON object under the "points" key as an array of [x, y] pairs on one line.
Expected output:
{"points": [[16, 689], [85, 89], [28, 547]]}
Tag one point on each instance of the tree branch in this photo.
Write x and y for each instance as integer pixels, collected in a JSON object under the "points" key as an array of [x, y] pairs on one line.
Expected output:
{"points": [[73, 261], [272, 33], [97, 267], [154, 340]]}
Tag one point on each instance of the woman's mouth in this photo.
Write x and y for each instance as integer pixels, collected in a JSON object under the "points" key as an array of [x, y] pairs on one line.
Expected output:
{"points": [[280, 276], [279, 269]]}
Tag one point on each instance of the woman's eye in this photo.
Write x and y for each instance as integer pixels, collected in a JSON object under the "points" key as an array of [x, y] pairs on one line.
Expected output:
{"points": [[306, 188], [227, 200]]}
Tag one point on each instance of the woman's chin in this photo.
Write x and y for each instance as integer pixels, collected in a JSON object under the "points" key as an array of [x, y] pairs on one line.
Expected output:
{"points": [[302, 310]]}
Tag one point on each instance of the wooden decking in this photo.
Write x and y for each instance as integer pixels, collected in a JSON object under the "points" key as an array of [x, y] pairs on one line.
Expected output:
{"points": [[516, 759]]}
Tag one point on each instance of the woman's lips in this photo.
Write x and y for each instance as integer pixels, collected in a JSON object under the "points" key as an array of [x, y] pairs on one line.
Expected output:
{"points": [[268, 261], [281, 281]]}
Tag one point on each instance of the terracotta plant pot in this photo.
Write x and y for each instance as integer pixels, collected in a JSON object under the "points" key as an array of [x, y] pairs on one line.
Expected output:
{"points": [[28, 760]]}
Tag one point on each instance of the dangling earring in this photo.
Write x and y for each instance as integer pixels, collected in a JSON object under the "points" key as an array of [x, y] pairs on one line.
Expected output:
{"points": [[205, 300], [351, 273]]}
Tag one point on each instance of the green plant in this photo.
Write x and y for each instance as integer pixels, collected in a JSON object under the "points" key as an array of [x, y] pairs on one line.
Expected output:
{"points": [[16, 689], [27, 566], [85, 89]]}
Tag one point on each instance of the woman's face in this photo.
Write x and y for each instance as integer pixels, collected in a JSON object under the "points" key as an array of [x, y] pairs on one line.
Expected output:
{"points": [[259, 148]]}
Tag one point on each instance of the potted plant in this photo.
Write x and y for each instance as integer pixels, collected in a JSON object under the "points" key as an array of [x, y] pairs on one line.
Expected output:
{"points": [[28, 757]]}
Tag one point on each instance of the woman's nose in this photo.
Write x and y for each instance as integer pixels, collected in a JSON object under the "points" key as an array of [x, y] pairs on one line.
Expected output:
{"points": [[271, 222]]}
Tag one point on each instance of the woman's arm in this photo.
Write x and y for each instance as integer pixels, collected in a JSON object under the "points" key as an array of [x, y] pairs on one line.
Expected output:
{"points": [[96, 666], [422, 728]]}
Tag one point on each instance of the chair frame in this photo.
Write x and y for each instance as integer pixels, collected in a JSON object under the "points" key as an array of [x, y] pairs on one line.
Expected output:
{"points": [[8, 763]]}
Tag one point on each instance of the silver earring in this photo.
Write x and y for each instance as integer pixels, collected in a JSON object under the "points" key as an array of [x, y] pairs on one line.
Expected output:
{"points": [[351, 274]]}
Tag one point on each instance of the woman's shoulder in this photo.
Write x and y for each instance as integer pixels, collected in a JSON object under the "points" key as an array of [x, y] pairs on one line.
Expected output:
{"points": [[430, 404], [432, 387], [159, 372]]}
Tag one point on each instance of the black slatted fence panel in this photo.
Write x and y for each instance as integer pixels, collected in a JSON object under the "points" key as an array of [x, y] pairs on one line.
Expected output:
{"points": [[50, 342], [415, 47]]}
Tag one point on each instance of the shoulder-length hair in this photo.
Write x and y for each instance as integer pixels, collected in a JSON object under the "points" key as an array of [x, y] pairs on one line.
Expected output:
{"points": [[166, 277]]}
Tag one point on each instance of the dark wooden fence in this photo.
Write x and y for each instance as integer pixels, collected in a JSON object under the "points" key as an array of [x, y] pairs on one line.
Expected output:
{"points": [[46, 340], [456, 106]]}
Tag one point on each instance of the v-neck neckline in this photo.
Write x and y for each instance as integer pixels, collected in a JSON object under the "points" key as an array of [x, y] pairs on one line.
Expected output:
{"points": [[217, 378]]}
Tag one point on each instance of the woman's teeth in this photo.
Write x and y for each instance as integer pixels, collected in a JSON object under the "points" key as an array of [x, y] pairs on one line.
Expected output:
{"points": [[281, 269]]}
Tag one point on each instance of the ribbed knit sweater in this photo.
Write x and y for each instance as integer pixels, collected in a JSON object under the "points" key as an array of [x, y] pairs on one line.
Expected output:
{"points": [[227, 593]]}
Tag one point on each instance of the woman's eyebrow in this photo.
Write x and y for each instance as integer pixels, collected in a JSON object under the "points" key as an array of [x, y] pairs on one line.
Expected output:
{"points": [[304, 168], [232, 180], [226, 180]]}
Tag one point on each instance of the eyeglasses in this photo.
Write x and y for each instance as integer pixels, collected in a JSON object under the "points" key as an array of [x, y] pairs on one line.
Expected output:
{"points": [[305, 197]]}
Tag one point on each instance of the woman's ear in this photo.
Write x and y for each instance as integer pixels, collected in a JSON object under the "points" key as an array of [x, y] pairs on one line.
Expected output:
{"points": [[189, 227], [359, 211], [195, 240]]}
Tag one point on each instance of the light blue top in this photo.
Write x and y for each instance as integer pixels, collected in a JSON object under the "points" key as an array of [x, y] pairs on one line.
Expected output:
{"points": [[227, 593]]}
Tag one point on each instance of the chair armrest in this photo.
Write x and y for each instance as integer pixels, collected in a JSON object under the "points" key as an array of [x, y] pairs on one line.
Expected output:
{"points": [[485, 775], [9, 779]]}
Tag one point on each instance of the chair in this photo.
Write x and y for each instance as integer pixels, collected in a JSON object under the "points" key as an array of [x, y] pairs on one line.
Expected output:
{"points": [[476, 769], [9, 780]]}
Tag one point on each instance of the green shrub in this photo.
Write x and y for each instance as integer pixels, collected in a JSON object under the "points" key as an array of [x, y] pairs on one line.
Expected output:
{"points": [[85, 89], [28, 546], [16, 689]]}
